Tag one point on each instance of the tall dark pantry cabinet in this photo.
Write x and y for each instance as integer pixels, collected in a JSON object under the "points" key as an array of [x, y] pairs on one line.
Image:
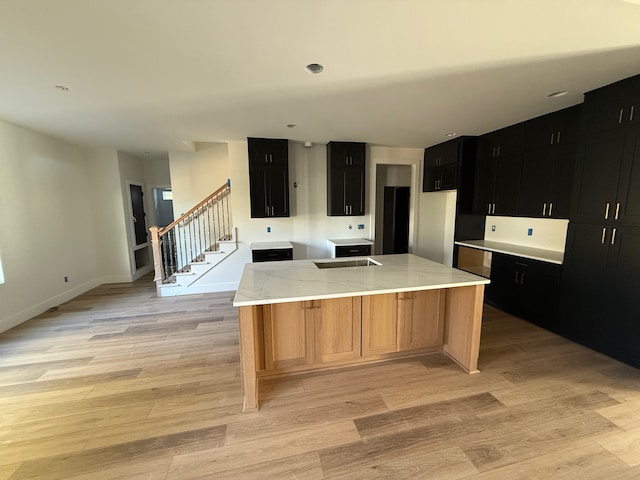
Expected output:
{"points": [[601, 275]]}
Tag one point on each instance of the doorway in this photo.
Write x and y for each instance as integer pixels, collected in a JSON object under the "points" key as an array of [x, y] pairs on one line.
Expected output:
{"points": [[140, 257], [387, 216]]}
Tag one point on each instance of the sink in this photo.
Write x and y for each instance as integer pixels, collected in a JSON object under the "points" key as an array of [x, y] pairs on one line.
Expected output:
{"points": [[360, 262]]}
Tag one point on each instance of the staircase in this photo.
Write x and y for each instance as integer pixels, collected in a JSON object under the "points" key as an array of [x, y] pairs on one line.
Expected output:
{"points": [[187, 252]]}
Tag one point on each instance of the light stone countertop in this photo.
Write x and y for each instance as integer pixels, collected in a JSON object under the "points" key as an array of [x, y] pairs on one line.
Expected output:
{"points": [[270, 245], [349, 241], [299, 280], [549, 256]]}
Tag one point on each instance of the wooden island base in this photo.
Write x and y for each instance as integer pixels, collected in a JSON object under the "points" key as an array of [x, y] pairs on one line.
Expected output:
{"points": [[292, 337]]}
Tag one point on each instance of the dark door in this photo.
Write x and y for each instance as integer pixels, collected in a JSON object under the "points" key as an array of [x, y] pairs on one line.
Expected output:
{"points": [[629, 185], [395, 238], [535, 188], [139, 221]]}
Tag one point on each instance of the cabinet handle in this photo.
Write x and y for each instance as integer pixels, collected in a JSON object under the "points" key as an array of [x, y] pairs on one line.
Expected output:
{"points": [[606, 213], [613, 237], [489, 209], [493, 209], [544, 210], [522, 278], [620, 116], [517, 281], [552, 135], [617, 210], [273, 211], [498, 152], [631, 114], [550, 208], [604, 235], [493, 153], [558, 138]]}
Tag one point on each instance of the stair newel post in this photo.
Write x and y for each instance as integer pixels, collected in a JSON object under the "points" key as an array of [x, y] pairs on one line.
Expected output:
{"points": [[157, 257]]}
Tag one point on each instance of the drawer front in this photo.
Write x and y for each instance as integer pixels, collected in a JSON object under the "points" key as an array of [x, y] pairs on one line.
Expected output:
{"points": [[353, 250], [272, 255]]}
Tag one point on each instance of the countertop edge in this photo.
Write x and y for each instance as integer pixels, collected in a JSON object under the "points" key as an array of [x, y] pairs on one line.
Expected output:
{"points": [[516, 252], [362, 293]]}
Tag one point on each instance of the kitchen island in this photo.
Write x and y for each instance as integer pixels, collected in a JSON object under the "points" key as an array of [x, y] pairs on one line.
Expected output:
{"points": [[315, 314]]}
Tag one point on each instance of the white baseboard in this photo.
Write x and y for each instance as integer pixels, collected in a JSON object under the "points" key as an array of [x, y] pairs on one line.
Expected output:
{"points": [[43, 306]]}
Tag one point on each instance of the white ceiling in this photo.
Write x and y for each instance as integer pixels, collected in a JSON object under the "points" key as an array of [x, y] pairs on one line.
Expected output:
{"points": [[148, 75]]}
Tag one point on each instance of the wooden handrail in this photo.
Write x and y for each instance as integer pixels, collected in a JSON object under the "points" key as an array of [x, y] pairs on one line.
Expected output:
{"points": [[224, 187]]}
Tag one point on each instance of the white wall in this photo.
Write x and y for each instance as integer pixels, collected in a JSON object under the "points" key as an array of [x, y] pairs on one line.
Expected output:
{"points": [[393, 156], [195, 175], [47, 227], [436, 222], [112, 249], [546, 233]]}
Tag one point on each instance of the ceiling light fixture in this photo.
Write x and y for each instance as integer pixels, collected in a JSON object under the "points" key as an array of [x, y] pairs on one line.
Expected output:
{"points": [[450, 134], [61, 87], [291, 125], [557, 94], [314, 68]]}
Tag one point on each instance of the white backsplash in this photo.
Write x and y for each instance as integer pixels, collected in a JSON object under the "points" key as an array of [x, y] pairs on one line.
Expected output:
{"points": [[547, 233]]}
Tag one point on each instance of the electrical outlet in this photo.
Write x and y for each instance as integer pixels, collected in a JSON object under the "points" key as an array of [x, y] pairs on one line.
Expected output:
{"points": [[268, 229], [530, 231], [493, 228], [350, 227], [361, 226], [66, 279]]}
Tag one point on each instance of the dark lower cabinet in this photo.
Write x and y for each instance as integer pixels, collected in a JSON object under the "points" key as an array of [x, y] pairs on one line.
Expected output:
{"points": [[600, 289], [352, 250], [272, 254], [526, 288]]}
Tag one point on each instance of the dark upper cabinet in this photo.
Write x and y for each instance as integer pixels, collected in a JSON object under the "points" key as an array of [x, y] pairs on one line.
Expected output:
{"points": [[613, 106], [268, 177], [498, 171], [607, 177], [449, 166], [502, 143], [548, 164], [552, 130], [345, 178]]}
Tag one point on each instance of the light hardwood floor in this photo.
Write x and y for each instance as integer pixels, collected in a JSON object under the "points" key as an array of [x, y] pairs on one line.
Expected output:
{"points": [[119, 384]]}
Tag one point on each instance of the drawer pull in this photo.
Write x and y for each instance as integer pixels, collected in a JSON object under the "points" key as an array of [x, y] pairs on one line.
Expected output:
{"points": [[604, 234]]}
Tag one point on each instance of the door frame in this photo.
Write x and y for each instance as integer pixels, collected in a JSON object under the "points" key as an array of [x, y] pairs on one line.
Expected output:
{"points": [[131, 237]]}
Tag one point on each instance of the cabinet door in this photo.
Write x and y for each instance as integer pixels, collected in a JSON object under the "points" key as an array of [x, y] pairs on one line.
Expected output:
{"points": [[278, 190], [484, 185], [535, 187], [269, 151], [337, 329], [629, 186], [623, 325], [346, 153], [599, 162], [607, 107], [289, 335], [379, 324], [258, 191], [354, 190], [507, 187], [585, 303], [420, 319], [336, 191], [562, 181]]}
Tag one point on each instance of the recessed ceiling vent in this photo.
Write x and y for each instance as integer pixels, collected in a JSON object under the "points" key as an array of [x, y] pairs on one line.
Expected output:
{"points": [[314, 68]]}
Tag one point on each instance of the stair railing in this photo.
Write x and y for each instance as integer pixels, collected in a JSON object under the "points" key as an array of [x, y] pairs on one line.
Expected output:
{"points": [[187, 239]]}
